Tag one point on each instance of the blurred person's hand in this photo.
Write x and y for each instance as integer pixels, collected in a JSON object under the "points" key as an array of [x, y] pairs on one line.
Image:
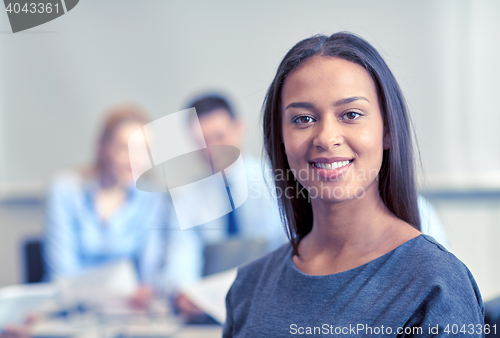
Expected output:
{"points": [[142, 298], [187, 310], [15, 331], [20, 331]]}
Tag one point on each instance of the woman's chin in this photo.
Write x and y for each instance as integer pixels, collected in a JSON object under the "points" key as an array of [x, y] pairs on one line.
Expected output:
{"points": [[335, 193]]}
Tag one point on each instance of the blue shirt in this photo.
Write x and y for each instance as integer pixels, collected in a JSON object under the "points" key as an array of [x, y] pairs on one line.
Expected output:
{"points": [[257, 218], [76, 239], [419, 287]]}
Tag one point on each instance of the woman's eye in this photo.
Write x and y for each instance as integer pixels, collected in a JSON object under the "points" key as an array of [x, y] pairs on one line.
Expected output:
{"points": [[303, 119], [351, 115]]}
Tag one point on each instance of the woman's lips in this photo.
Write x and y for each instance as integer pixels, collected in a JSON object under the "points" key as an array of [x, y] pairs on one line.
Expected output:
{"points": [[330, 171]]}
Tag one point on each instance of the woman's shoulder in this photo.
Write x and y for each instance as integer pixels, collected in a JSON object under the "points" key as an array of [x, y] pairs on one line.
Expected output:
{"points": [[434, 269], [67, 181], [421, 258], [442, 284], [426, 255], [426, 259]]}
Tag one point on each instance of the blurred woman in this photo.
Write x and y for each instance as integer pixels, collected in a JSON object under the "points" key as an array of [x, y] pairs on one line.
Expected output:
{"points": [[96, 215]]}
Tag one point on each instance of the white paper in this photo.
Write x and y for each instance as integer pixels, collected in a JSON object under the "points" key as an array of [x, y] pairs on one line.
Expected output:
{"points": [[209, 294], [97, 285], [17, 301]]}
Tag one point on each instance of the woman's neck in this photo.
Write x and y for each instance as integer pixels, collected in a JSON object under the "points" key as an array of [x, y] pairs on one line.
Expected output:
{"points": [[110, 196], [350, 221], [350, 233], [109, 181]]}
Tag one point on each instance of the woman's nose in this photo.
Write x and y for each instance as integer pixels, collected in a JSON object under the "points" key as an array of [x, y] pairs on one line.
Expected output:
{"points": [[328, 135]]}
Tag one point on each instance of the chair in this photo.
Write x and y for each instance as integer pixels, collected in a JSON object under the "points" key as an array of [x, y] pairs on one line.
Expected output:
{"points": [[232, 253], [492, 316], [32, 252]]}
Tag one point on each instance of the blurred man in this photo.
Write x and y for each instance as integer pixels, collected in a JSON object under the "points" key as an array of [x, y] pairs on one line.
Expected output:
{"points": [[253, 228], [258, 217]]}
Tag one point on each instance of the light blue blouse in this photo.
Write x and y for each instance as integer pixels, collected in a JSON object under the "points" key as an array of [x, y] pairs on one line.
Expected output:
{"points": [[76, 239]]}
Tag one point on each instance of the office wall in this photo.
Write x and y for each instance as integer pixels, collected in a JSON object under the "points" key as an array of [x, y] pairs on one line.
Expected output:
{"points": [[56, 79]]}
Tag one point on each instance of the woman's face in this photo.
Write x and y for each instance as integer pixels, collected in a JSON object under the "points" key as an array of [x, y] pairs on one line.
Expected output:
{"points": [[333, 129], [116, 152]]}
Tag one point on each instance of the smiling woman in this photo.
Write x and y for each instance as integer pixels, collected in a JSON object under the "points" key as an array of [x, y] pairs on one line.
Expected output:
{"points": [[336, 119], [337, 142]]}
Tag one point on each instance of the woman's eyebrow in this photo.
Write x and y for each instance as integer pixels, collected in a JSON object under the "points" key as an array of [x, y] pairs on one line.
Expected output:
{"points": [[340, 102], [300, 105], [349, 100]]}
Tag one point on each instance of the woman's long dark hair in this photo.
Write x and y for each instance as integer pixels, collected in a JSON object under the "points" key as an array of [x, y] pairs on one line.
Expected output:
{"points": [[396, 177]]}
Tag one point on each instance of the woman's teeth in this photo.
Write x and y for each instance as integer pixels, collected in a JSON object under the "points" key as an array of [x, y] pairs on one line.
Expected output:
{"points": [[333, 165]]}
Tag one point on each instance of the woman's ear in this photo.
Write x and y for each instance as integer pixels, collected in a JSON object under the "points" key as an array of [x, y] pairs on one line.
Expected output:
{"points": [[387, 139]]}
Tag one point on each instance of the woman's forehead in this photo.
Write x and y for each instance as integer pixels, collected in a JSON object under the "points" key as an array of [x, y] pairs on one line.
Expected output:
{"points": [[328, 78]]}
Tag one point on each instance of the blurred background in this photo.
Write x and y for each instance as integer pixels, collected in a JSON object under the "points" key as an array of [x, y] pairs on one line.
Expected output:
{"points": [[56, 79]]}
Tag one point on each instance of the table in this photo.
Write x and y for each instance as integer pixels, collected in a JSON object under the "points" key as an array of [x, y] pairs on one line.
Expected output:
{"points": [[159, 323]]}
